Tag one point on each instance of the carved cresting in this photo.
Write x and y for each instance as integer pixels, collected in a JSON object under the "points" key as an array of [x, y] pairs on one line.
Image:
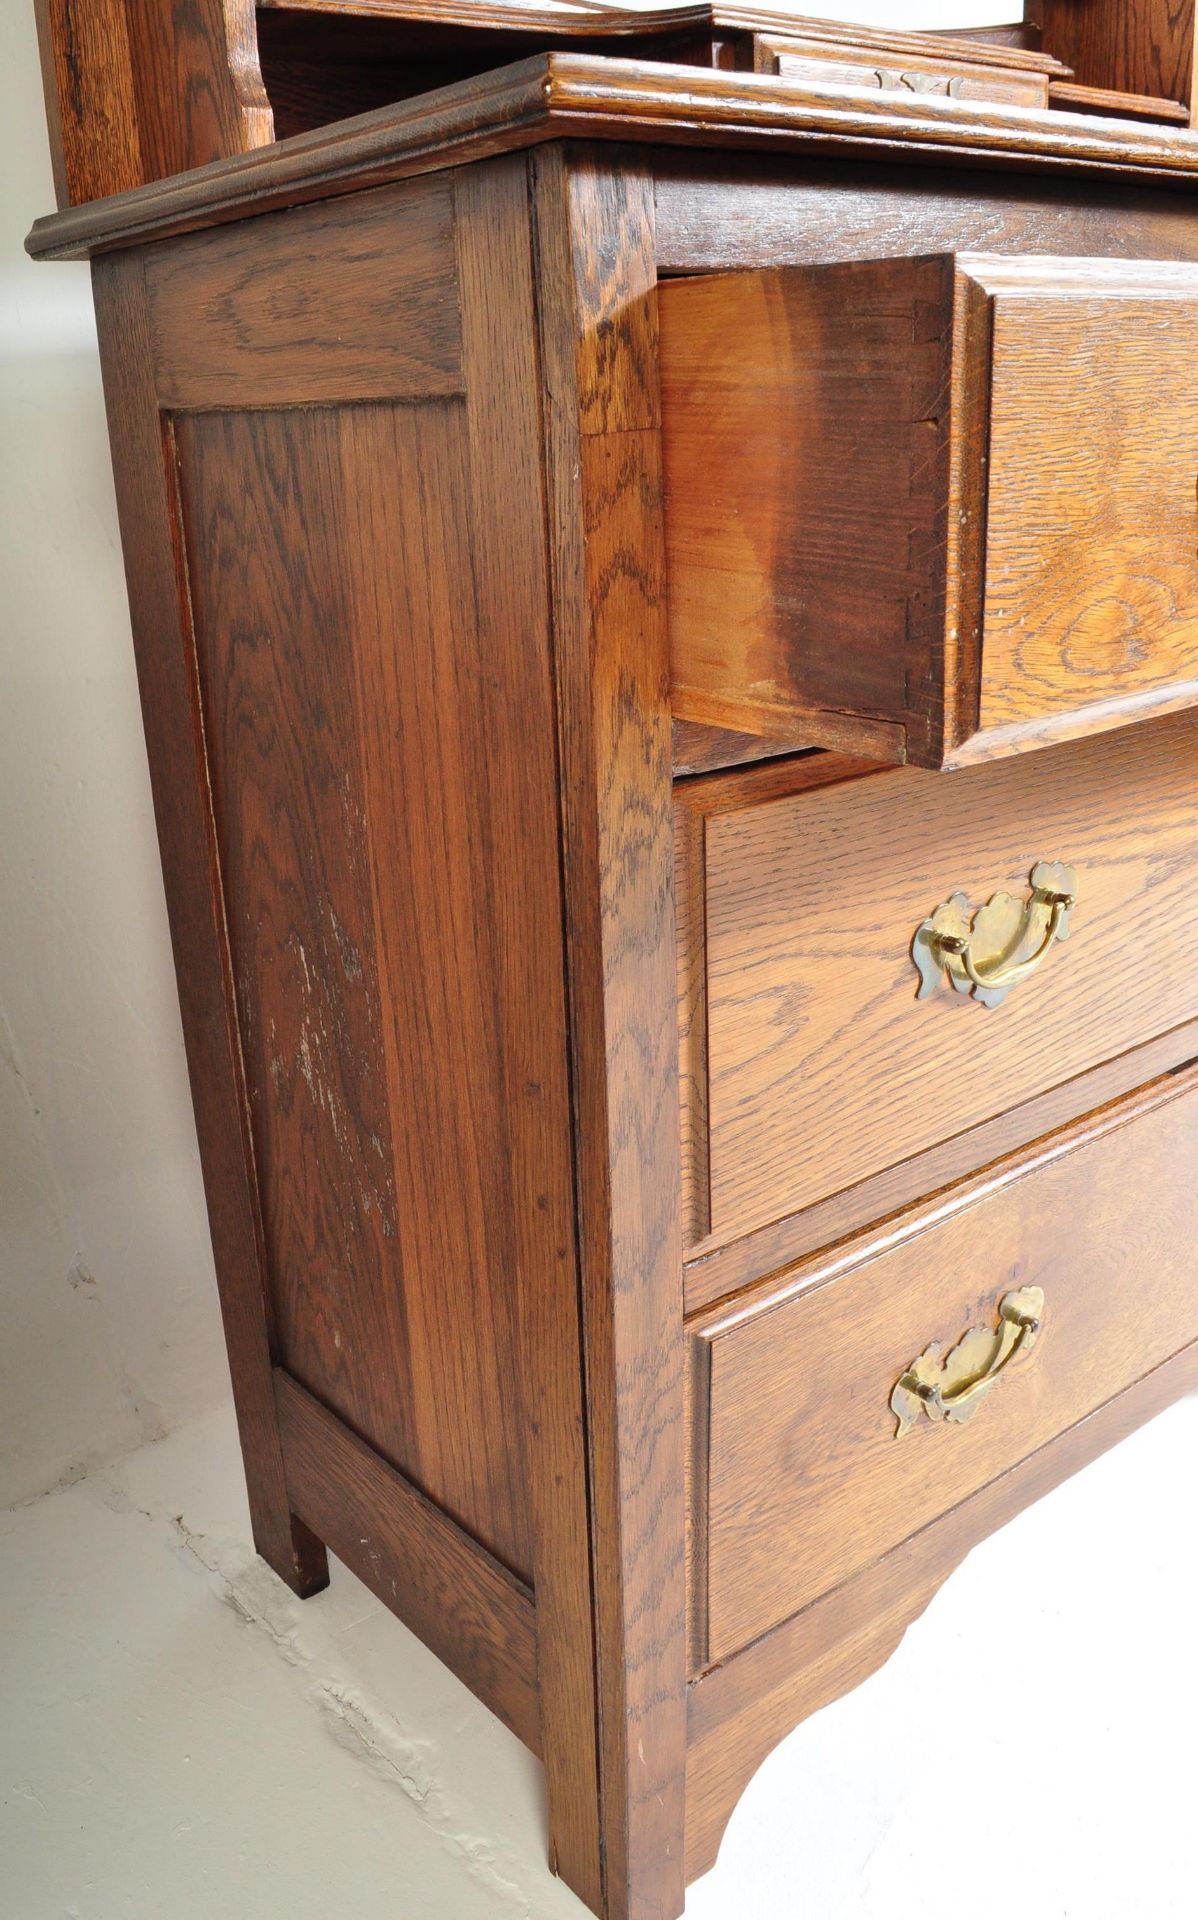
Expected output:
{"points": [[954, 1386]]}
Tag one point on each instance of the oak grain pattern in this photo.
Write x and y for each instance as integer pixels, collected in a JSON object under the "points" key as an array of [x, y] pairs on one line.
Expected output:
{"points": [[807, 1482], [812, 903], [517, 767], [806, 212], [563, 96], [937, 69], [883, 500], [702, 749], [739, 1710], [1091, 592], [714, 1271], [137, 91], [1146, 47], [164, 646], [475, 1615], [595, 251], [323, 307]]}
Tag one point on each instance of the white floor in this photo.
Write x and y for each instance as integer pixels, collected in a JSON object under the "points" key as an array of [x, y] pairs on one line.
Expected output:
{"points": [[181, 1740]]}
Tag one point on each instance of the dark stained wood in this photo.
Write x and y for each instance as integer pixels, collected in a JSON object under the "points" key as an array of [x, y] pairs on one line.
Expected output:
{"points": [[1133, 106], [806, 212], [476, 1616], [511, 567], [1145, 47], [873, 475], [962, 73], [136, 90], [595, 250], [151, 536], [740, 1710], [807, 1482], [560, 95], [811, 905], [363, 935], [362, 318], [699, 749]]}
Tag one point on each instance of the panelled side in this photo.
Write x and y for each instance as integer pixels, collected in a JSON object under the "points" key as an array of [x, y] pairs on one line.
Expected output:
{"points": [[365, 619]]}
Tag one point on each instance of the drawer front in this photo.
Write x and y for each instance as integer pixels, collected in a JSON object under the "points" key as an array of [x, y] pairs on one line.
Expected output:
{"points": [[809, 1063], [935, 510], [806, 1479]]}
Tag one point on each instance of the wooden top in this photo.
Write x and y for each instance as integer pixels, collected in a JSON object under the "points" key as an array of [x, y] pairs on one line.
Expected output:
{"points": [[594, 97]]}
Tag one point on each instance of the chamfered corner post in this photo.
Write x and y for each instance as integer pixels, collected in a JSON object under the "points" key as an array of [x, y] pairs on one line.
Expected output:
{"points": [[597, 311]]}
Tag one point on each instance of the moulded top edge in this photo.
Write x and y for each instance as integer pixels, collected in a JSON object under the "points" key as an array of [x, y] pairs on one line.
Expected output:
{"points": [[590, 96]]}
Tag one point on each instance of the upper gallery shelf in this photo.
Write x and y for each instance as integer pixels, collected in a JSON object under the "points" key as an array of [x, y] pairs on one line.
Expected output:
{"points": [[139, 90]]}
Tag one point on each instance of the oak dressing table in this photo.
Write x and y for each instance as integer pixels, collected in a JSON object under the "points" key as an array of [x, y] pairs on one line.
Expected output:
{"points": [[663, 558]]}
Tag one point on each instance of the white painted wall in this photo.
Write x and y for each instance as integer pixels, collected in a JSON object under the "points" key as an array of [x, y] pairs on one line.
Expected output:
{"points": [[110, 1326], [109, 1330]]}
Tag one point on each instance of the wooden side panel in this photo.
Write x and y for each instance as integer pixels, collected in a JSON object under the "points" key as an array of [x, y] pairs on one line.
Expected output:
{"points": [[1127, 46], [595, 250], [807, 1481], [331, 579], [151, 537], [367, 591], [138, 89], [812, 902]]}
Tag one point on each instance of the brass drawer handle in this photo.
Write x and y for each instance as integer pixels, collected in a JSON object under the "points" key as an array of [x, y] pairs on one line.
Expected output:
{"points": [[978, 951], [954, 1387]]}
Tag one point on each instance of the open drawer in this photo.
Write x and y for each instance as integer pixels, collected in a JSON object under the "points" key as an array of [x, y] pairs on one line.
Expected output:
{"points": [[932, 509]]}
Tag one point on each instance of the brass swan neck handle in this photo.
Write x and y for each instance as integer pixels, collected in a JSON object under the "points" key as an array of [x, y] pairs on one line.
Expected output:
{"points": [[984, 952], [953, 1386]]}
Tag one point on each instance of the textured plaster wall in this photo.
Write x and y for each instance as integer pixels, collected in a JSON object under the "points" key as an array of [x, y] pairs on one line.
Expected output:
{"points": [[107, 1301]]}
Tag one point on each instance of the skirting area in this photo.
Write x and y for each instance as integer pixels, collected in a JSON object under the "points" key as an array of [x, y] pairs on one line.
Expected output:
{"points": [[182, 1738]]}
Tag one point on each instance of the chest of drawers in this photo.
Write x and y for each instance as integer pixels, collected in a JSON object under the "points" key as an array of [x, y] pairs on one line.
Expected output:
{"points": [[682, 1166]]}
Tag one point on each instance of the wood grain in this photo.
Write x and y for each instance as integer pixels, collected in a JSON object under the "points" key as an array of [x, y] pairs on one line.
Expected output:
{"points": [[807, 1482], [136, 91], [472, 1612], [517, 766], [809, 511], [808, 211], [325, 307], [882, 500], [960, 72], [700, 749], [812, 902], [741, 1709], [1147, 47], [714, 1272], [1091, 596], [595, 251], [562, 95], [151, 535]]}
